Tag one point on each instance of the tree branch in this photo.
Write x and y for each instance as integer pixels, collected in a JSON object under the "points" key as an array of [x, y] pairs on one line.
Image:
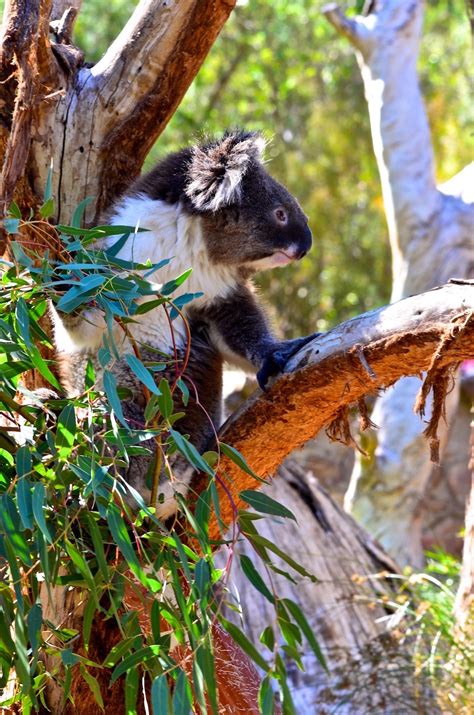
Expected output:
{"points": [[388, 44], [143, 76], [329, 376], [353, 30]]}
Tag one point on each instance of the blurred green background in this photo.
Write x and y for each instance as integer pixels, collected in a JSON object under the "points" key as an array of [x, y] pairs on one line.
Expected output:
{"points": [[278, 66]]}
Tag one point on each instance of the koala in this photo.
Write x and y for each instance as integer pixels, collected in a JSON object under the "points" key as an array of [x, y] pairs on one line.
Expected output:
{"points": [[214, 208]]}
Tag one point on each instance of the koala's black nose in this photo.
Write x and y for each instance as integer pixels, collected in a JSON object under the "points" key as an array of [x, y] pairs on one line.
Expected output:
{"points": [[302, 254]]}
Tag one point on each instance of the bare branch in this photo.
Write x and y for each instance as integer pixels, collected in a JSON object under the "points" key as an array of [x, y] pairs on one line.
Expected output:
{"points": [[396, 340], [351, 29]]}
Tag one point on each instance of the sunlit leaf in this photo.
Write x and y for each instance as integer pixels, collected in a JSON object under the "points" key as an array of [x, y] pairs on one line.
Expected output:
{"points": [[263, 503]]}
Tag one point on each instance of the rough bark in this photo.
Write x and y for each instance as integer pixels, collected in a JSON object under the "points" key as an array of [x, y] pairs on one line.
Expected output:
{"points": [[430, 231], [338, 370], [94, 124]]}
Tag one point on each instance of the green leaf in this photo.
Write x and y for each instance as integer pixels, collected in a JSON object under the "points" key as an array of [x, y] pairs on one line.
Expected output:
{"points": [[266, 698], [132, 661], [122, 539], [267, 637], [80, 292], [48, 189], [238, 459], [80, 563], [79, 211], [190, 452], [260, 541], [300, 619], [24, 502], [69, 658], [39, 497], [110, 389], [93, 686], [241, 639], [10, 523], [66, 427], [131, 691], [165, 400], [14, 210], [23, 461], [119, 650], [139, 369], [11, 225], [175, 283], [202, 578], [87, 620], [19, 254], [160, 695], [265, 504], [89, 380], [97, 541], [182, 695], [184, 390], [34, 622], [22, 664], [254, 577], [23, 321], [47, 209], [42, 367]]}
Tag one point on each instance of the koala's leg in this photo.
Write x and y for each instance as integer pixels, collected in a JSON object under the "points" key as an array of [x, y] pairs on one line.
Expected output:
{"points": [[240, 330]]}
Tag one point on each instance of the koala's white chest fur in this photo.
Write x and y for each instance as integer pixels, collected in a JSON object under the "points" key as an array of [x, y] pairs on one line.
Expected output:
{"points": [[172, 234]]}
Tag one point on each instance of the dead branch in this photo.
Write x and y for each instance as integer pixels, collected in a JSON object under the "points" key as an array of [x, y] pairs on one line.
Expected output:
{"points": [[327, 377]]}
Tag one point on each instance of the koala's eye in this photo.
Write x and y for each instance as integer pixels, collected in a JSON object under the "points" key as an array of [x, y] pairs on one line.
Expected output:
{"points": [[281, 216]]}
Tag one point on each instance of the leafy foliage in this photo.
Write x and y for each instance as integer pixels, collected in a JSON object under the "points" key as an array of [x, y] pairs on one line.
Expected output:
{"points": [[65, 507]]}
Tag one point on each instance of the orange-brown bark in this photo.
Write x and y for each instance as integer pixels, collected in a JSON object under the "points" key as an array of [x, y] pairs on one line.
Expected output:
{"points": [[361, 359]]}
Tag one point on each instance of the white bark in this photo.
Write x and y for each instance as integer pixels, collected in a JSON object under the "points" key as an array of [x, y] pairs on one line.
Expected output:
{"points": [[430, 231]]}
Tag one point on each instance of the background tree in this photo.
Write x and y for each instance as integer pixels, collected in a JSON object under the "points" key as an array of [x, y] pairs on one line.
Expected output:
{"points": [[430, 232]]}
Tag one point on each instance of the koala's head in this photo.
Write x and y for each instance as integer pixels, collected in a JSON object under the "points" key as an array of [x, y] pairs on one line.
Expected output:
{"points": [[248, 218]]}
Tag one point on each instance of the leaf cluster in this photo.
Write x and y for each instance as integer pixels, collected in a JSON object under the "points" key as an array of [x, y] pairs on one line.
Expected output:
{"points": [[69, 518]]}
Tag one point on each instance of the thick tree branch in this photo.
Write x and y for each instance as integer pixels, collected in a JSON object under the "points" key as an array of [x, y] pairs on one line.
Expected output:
{"points": [[143, 76], [356, 359]]}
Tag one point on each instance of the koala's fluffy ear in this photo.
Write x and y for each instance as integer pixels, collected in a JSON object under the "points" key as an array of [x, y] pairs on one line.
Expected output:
{"points": [[216, 170]]}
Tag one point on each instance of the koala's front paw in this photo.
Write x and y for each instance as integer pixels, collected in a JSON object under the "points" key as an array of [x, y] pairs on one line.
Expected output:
{"points": [[276, 360]]}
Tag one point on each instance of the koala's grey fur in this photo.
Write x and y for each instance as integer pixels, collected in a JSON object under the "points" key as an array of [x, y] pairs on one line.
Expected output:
{"points": [[216, 209]]}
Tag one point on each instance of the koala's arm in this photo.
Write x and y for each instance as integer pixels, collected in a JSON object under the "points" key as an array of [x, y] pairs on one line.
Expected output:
{"points": [[240, 330]]}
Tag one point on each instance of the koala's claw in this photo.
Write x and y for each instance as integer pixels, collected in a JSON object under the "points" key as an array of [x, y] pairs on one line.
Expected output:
{"points": [[269, 368], [275, 361]]}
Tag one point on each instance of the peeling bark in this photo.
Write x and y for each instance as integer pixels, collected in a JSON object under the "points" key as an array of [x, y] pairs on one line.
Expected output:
{"points": [[430, 231], [328, 375]]}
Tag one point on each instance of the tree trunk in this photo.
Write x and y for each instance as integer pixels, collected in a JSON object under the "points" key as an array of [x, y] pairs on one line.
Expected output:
{"points": [[430, 231], [93, 125], [369, 670]]}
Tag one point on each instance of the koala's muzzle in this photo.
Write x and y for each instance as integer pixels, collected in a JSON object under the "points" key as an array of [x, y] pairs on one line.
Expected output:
{"points": [[299, 248]]}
